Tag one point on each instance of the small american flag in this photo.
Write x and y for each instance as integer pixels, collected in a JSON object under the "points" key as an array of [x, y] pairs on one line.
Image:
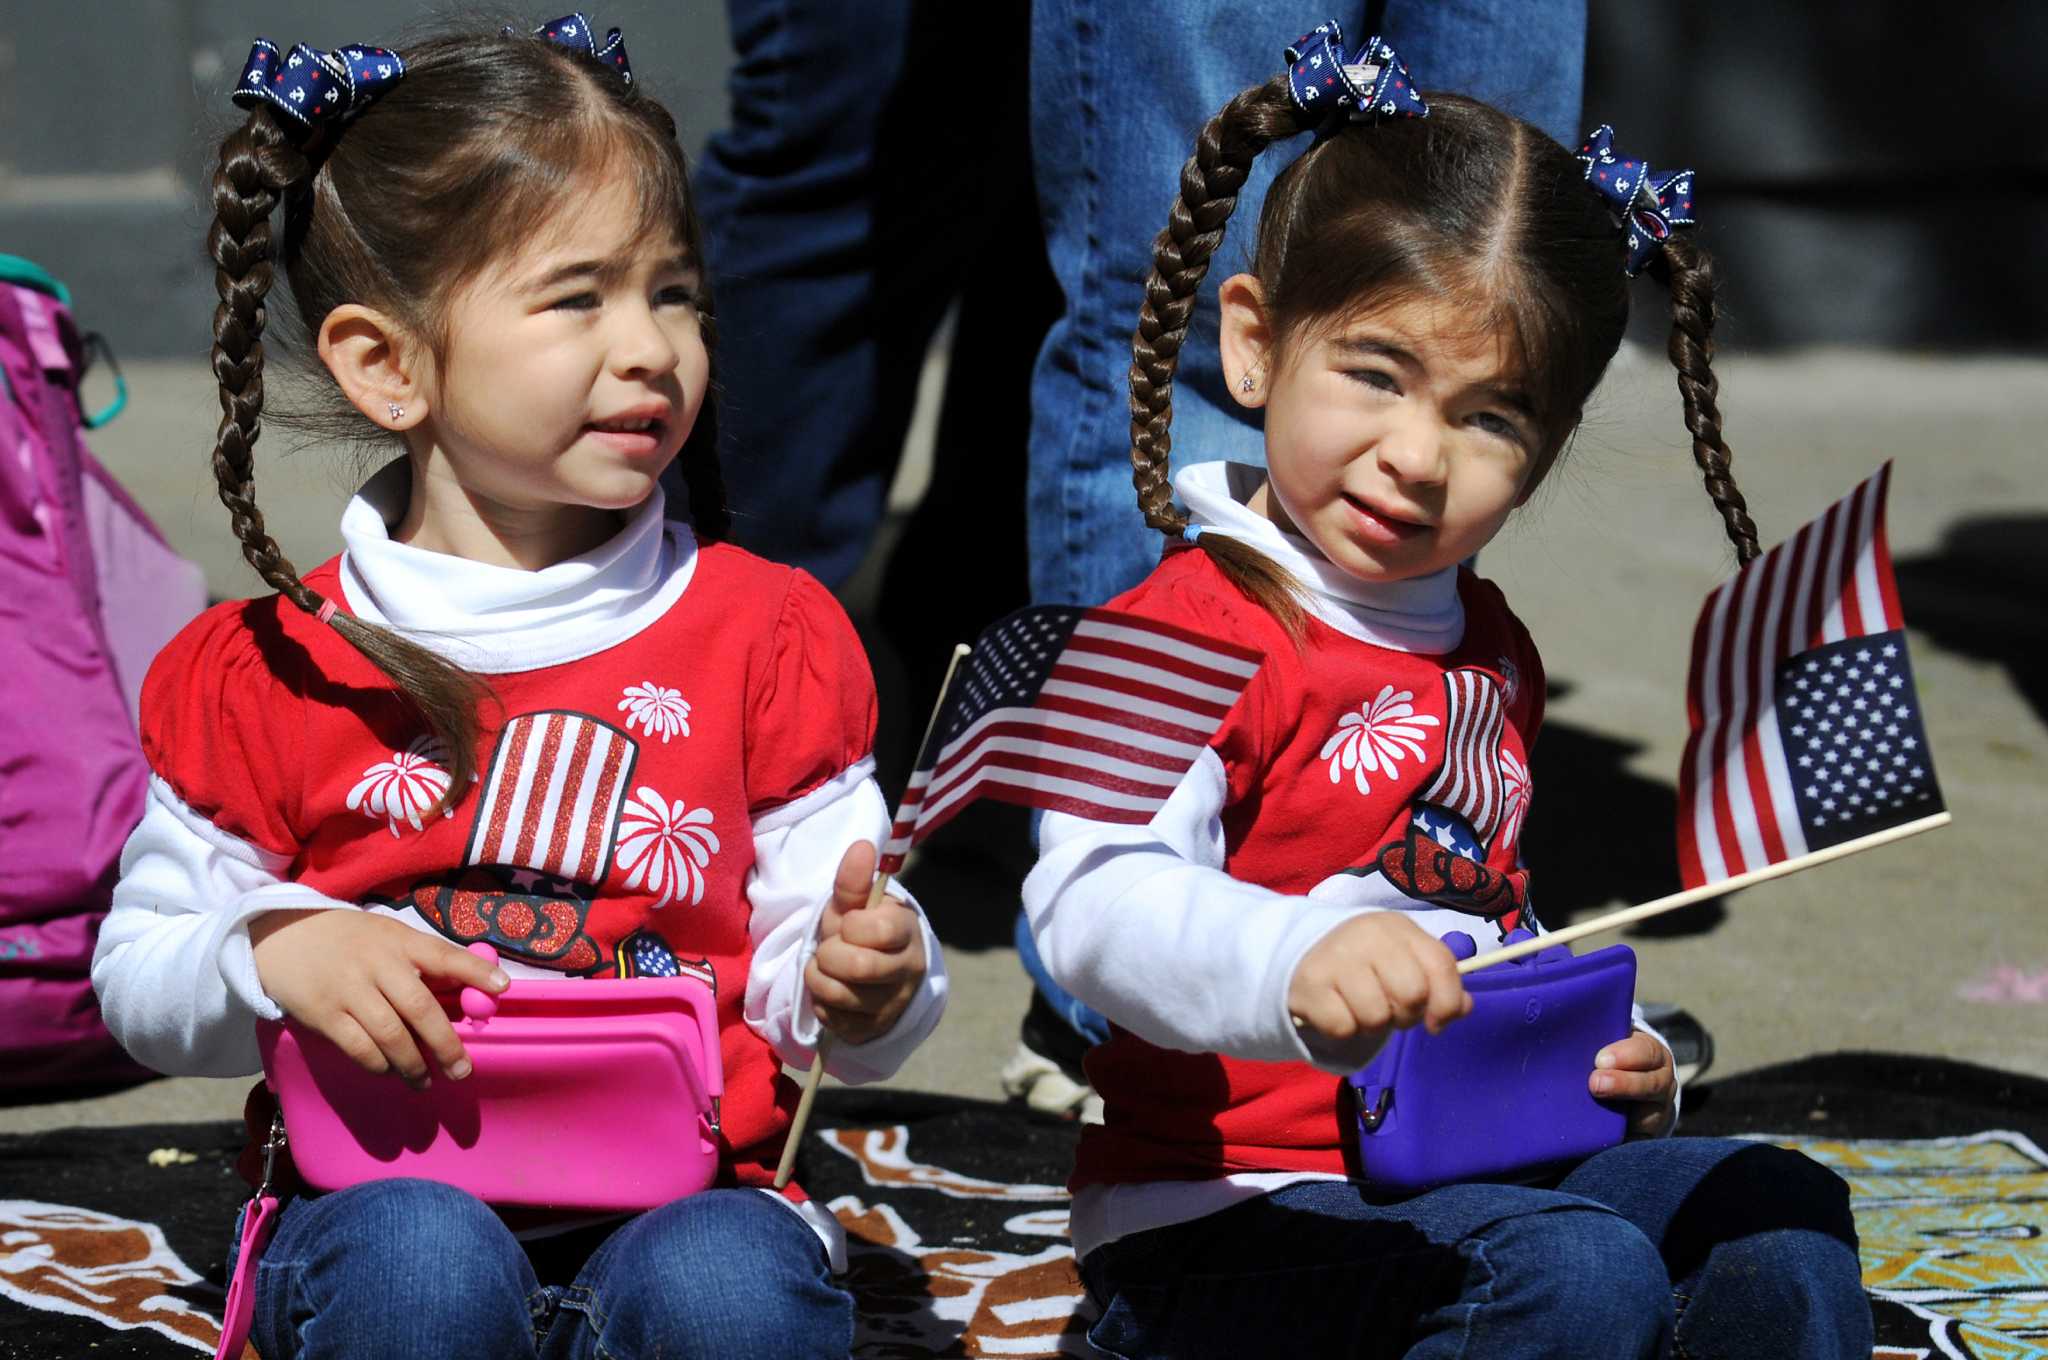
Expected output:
{"points": [[1087, 711], [1806, 730]]}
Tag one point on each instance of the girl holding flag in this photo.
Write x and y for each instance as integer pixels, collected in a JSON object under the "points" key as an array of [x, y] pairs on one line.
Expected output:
{"points": [[1435, 290], [523, 707]]}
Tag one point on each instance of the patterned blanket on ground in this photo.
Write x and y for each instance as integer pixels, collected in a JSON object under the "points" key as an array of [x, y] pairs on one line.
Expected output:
{"points": [[113, 1241]]}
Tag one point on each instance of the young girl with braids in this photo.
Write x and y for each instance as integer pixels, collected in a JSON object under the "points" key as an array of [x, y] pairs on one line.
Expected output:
{"points": [[1434, 292], [525, 705]]}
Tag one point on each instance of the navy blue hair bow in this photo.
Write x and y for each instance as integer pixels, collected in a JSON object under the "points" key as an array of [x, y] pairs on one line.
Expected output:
{"points": [[312, 88], [574, 31], [1651, 208], [1370, 82]]}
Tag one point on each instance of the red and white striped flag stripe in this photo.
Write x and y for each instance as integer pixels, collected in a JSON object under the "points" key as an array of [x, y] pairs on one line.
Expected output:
{"points": [[1470, 782], [1105, 726], [552, 799], [1831, 581]]}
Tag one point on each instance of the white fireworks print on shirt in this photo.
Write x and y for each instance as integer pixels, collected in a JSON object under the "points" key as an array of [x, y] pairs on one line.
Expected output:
{"points": [[1514, 789], [665, 848], [1377, 737], [403, 787], [658, 709]]}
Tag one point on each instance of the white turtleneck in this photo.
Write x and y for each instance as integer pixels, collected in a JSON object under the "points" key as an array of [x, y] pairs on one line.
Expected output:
{"points": [[494, 620]]}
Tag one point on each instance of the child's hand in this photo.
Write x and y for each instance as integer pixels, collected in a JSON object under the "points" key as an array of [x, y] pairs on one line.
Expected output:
{"points": [[870, 960], [1375, 972], [360, 980], [1637, 1070]]}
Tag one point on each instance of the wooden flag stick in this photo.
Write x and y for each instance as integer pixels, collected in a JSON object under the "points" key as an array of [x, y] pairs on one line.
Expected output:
{"points": [[816, 1076], [1630, 915]]}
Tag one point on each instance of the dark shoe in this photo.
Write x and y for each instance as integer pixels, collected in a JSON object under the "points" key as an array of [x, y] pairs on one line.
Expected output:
{"points": [[1692, 1046]]}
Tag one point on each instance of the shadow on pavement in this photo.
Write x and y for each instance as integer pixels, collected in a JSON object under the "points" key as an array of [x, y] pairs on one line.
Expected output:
{"points": [[1598, 831], [1980, 592]]}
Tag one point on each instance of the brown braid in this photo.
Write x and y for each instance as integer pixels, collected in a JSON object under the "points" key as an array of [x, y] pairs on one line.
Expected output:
{"points": [[257, 165], [1209, 184], [1688, 272]]}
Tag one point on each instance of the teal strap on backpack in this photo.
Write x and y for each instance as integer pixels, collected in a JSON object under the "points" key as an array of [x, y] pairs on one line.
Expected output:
{"points": [[28, 274]]}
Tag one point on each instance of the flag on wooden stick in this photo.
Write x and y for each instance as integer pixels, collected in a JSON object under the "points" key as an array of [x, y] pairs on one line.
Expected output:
{"points": [[1088, 711], [1806, 730], [1807, 741]]}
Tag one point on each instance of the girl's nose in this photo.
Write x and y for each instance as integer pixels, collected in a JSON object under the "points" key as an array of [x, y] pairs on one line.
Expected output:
{"points": [[1414, 451], [643, 345]]}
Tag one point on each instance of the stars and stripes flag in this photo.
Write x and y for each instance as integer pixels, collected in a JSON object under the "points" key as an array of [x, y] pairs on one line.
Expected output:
{"points": [[1087, 711], [1806, 730]]}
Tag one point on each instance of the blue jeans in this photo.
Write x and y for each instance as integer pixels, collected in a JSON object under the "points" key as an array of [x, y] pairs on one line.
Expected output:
{"points": [[1118, 93], [404, 1268], [1685, 1246], [874, 170]]}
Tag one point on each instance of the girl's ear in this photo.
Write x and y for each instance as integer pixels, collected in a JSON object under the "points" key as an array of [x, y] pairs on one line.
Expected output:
{"points": [[375, 364], [1247, 340]]}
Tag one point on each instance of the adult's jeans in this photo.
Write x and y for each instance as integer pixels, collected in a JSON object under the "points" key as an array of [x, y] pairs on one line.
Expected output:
{"points": [[397, 1269], [875, 170], [1684, 1246], [1118, 94]]}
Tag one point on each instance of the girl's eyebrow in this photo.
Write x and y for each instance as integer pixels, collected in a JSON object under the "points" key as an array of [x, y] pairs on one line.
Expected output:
{"points": [[606, 270], [1358, 344]]}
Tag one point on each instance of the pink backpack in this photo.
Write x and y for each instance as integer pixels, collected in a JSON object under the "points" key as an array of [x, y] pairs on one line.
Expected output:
{"points": [[89, 591]]}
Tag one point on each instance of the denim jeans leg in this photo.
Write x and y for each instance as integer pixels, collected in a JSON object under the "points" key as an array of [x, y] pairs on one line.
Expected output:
{"points": [[721, 1275], [393, 1270], [1316, 1269], [1118, 94], [841, 205], [1526, 57], [1759, 1242]]}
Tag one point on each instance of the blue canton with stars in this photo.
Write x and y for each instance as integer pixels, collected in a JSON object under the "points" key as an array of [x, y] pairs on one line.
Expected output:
{"points": [[1855, 747], [1007, 668], [1449, 830]]}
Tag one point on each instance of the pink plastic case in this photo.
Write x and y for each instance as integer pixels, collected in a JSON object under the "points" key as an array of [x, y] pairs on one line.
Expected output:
{"points": [[587, 1094]]}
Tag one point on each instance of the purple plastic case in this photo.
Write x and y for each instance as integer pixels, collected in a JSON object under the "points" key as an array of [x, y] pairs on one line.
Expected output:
{"points": [[1500, 1094]]}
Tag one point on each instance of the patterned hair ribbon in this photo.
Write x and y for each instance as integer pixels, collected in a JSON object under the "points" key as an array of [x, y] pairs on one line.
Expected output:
{"points": [[314, 89], [1370, 83], [574, 32], [1651, 208]]}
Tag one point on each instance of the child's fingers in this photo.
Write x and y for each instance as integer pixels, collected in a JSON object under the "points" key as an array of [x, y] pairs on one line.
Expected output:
{"points": [[1637, 1053], [1367, 1007], [890, 927], [345, 1034], [1448, 999], [1619, 1084], [829, 991], [437, 958], [856, 877], [392, 1039], [1405, 979], [422, 1013]]}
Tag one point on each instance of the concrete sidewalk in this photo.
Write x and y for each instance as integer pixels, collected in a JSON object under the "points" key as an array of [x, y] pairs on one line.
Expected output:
{"points": [[1930, 946]]}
